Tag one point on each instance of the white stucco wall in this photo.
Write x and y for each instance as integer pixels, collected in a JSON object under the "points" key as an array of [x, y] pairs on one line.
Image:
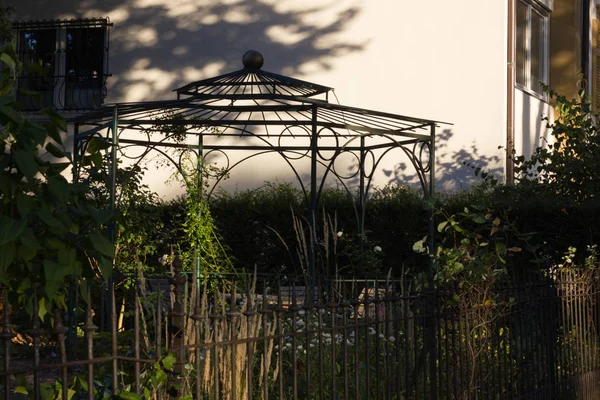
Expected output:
{"points": [[531, 130], [433, 59]]}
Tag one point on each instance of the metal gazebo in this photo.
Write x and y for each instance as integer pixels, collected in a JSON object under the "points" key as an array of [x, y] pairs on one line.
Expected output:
{"points": [[252, 112]]}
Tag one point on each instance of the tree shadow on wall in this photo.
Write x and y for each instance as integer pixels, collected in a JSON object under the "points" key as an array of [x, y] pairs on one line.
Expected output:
{"points": [[156, 46], [455, 169]]}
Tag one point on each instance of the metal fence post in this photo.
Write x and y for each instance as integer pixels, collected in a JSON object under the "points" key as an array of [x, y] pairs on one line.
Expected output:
{"points": [[176, 330]]}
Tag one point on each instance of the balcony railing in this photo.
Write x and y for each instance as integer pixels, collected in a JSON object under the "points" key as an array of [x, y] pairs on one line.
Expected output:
{"points": [[65, 63]]}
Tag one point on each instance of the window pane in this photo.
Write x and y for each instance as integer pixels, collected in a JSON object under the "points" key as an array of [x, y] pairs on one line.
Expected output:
{"points": [[84, 67], [521, 43], [36, 50], [537, 51]]}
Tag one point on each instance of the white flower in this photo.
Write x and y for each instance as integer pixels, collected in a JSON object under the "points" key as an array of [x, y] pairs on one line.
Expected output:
{"points": [[377, 249], [164, 259], [340, 233]]}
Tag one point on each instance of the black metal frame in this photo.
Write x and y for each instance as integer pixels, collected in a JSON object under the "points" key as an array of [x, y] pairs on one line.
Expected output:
{"points": [[253, 112]]}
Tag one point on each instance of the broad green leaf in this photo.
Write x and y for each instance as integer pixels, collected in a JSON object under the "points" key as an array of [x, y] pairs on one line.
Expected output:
{"points": [[47, 391], [169, 361], [36, 133], [160, 377], [30, 93], [419, 246], [130, 396], [8, 252], [457, 227], [21, 390], [96, 160], [106, 266], [55, 243], [11, 229], [50, 219], [55, 274], [42, 310], [479, 218], [24, 204], [12, 114], [54, 150], [54, 132], [59, 188], [56, 119], [99, 216], [500, 249], [61, 166], [26, 163], [96, 144], [26, 253], [67, 256], [4, 100], [29, 240], [441, 226], [102, 244], [8, 60]]}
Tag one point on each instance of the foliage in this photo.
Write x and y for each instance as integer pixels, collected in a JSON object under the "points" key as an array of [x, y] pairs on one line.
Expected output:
{"points": [[48, 229], [6, 35], [139, 218], [474, 247], [570, 164]]}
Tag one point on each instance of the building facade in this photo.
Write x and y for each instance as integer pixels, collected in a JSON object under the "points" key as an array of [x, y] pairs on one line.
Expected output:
{"points": [[476, 64]]}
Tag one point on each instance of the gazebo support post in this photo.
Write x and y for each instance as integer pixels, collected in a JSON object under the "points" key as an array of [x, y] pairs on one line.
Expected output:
{"points": [[73, 293], [432, 293], [312, 207], [113, 237], [362, 203], [199, 182]]}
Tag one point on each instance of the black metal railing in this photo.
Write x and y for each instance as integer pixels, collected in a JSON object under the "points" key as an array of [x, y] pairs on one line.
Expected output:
{"points": [[65, 63], [352, 339]]}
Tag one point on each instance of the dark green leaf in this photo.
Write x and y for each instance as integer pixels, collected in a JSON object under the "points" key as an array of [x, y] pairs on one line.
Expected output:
{"points": [[106, 266], [102, 244], [59, 188], [479, 218], [30, 93], [4, 100], [96, 144], [8, 60], [55, 274], [54, 150], [24, 204], [27, 163], [11, 229], [26, 253], [29, 240], [56, 119], [8, 252], [50, 219], [169, 361], [12, 114]]}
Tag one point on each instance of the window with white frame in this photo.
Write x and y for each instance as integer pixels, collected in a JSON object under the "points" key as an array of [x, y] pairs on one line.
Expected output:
{"points": [[65, 63], [532, 46]]}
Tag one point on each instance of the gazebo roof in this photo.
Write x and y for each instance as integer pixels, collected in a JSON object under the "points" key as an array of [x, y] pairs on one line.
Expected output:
{"points": [[252, 80], [251, 97]]}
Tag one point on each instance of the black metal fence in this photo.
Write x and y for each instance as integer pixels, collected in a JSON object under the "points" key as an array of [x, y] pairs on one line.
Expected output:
{"points": [[251, 339]]}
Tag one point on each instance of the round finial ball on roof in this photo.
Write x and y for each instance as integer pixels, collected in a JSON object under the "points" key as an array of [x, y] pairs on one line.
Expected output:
{"points": [[253, 59]]}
